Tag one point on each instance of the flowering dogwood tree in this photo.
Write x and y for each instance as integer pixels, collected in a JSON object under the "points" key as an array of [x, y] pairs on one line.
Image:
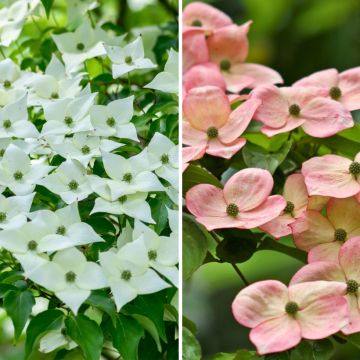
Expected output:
{"points": [[271, 167], [88, 180]]}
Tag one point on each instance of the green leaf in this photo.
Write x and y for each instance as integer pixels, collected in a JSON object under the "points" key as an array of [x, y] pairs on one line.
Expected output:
{"points": [[47, 5], [314, 350], [239, 355], [191, 346], [197, 175], [101, 300], [41, 323], [5, 288], [279, 356], [354, 339], [255, 156], [195, 245], [126, 337], [87, 334], [18, 305]]}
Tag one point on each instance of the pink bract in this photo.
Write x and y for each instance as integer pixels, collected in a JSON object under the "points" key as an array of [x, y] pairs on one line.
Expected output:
{"points": [[345, 271], [298, 201], [323, 236], [332, 175], [191, 153], [280, 316], [209, 122], [194, 48], [343, 87], [284, 109], [245, 201]]}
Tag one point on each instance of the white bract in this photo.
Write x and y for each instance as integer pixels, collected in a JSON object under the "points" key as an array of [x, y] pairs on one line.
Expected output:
{"points": [[167, 80], [129, 274], [70, 276], [114, 119], [69, 181], [76, 9], [128, 58], [11, 77], [55, 339]]}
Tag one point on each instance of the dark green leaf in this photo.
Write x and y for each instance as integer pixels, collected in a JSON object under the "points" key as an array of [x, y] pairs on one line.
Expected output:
{"points": [[101, 300], [5, 288], [47, 5], [191, 346], [239, 355], [314, 350]]}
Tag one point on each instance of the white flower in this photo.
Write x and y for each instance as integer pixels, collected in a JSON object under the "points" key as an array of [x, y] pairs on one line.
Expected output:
{"points": [[173, 194], [129, 274], [9, 96], [130, 175], [114, 119], [68, 116], [133, 205], [162, 251], [76, 9], [167, 80], [54, 84], [14, 210], [27, 146], [163, 155], [84, 147], [18, 173], [55, 339], [70, 277], [14, 121], [82, 44], [69, 181], [128, 58]]}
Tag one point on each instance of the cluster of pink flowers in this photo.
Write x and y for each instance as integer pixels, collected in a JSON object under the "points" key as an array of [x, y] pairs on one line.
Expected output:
{"points": [[319, 207]]}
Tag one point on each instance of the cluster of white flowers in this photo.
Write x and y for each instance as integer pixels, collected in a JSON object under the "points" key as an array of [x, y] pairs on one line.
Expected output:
{"points": [[49, 116]]}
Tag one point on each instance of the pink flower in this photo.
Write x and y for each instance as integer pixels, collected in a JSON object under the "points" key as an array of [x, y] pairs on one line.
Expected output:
{"points": [[209, 122], [228, 48], [194, 49], [191, 153], [205, 17], [298, 201], [332, 175], [279, 317], [343, 87], [346, 271], [284, 109], [323, 236], [244, 203]]}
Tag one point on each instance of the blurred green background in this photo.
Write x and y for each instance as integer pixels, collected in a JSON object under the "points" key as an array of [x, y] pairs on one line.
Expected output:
{"points": [[295, 37]]}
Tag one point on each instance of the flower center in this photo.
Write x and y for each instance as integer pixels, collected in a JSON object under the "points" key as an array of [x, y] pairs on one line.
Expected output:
{"points": [[126, 275], [335, 93], [128, 60], [73, 185], [110, 122], [127, 177], [152, 254], [18, 175], [2, 217], [54, 95], [291, 308], [80, 46], [354, 168], [7, 124], [225, 65], [68, 120], [61, 230], [85, 150], [196, 23], [122, 199], [294, 110], [232, 210], [289, 208], [7, 84], [32, 245], [340, 235], [212, 132], [70, 277], [164, 159], [352, 286]]}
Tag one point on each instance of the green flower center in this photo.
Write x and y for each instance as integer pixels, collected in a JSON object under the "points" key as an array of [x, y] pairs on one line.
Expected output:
{"points": [[68, 120], [212, 132], [225, 65], [85, 150], [232, 210], [196, 23], [2, 217], [18, 175], [54, 95], [152, 254], [70, 277], [289, 208], [340, 235], [127, 177], [110, 122], [291, 308], [61, 230], [126, 275], [335, 93], [32, 245], [164, 159], [7, 84], [7, 124], [354, 168], [122, 199], [294, 110], [73, 185], [128, 60], [352, 286], [80, 46]]}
